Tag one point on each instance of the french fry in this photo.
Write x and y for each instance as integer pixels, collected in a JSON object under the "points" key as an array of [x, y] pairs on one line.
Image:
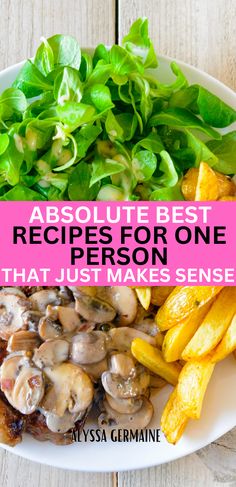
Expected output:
{"points": [[144, 296], [213, 327], [227, 198], [177, 338], [227, 344], [152, 358], [160, 293], [193, 381], [207, 184], [189, 184], [159, 339], [226, 187], [173, 420], [182, 302]]}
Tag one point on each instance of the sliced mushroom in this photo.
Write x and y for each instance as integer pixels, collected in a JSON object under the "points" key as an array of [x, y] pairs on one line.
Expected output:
{"points": [[95, 370], [51, 352], [122, 364], [71, 389], [49, 329], [121, 388], [123, 300], [94, 309], [125, 406], [88, 348], [111, 419], [13, 290], [29, 290], [148, 327], [67, 316], [121, 338], [51, 312], [77, 290], [12, 307], [23, 340], [31, 319], [157, 382], [61, 424], [22, 383], [41, 299], [65, 295]]}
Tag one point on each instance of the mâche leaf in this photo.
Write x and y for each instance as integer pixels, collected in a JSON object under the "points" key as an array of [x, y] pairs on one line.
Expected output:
{"points": [[73, 114], [144, 164], [80, 187], [180, 117], [224, 150], [14, 99], [102, 168], [10, 163], [4, 142], [68, 86], [22, 193], [58, 51], [44, 59], [167, 194], [85, 137], [169, 177], [137, 42], [31, 81], [213, 110], [100, 97]]}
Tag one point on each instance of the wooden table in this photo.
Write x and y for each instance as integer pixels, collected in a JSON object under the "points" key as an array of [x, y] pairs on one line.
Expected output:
{"points": [[200, 32]]}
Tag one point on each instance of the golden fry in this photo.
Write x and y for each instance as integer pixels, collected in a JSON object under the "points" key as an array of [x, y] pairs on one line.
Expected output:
{"points": [[227, 344], [191, 388], [159, 339], [207, 184], [152, 358], [160, 293], [226, 187], [177, 338], [144, 296], [189, 184], [213, 326], [182, 302], [227, 198], [173, 420]]}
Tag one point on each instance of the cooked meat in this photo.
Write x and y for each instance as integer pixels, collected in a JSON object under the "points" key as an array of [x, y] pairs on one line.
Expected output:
{"points": [[36, 426], [11, 424]]}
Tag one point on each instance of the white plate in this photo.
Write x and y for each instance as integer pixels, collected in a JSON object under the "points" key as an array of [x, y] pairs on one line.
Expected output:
{"points": [[219, 411]]}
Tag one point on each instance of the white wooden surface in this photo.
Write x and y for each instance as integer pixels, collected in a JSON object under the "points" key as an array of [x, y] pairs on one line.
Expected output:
{"points": [[201, 32]]}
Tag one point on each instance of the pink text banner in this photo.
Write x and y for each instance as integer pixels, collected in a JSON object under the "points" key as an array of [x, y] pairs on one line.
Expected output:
{"points": [[117, 243]]}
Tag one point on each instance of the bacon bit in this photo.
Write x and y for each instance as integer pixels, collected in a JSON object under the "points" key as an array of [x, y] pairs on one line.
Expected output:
{"points": [[7, 384], [34, 381]]}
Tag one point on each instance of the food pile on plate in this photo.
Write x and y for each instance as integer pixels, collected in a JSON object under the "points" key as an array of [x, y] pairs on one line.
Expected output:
{"points": [[66, 352], [100, 125]]}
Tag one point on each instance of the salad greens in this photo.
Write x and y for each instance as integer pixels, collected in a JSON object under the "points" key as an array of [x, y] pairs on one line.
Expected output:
{"points": [[82, 126]]}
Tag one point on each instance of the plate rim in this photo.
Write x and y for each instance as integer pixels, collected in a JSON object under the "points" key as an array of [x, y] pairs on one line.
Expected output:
{"points": [[230, 92]]}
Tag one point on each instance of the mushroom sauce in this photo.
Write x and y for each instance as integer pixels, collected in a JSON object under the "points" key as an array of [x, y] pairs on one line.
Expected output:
{"points": [[66, 350]]}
